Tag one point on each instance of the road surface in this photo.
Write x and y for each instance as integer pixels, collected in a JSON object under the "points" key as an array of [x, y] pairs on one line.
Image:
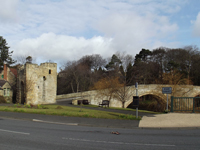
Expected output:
{"points": [[29, 135]]}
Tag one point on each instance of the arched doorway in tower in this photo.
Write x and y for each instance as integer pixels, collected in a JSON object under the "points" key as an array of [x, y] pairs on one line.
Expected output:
{"points": [[151, 102], [22, 93]]}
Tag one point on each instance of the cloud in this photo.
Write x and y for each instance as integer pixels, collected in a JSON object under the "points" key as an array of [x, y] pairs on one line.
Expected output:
{"points": [[8, 9], [67, 30], [50, 46], [74, 18], [133, 31], [196, 26]]}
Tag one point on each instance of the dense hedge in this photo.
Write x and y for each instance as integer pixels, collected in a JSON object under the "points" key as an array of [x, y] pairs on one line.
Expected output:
{"points": [[2, 99]]}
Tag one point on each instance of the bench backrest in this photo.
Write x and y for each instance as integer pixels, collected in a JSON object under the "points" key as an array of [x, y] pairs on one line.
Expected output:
{"points": [[84, 101], [105, 102]]}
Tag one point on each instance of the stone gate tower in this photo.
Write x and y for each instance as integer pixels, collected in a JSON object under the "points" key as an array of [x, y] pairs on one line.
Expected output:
{"points": [[37, 84]]}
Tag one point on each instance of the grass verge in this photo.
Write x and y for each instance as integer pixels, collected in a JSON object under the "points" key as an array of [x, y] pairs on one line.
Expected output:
{"points": [[126, 109], [67, 111]]}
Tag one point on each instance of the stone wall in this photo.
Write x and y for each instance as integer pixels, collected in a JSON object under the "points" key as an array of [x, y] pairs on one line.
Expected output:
{"points": [[92, 96], [37, 84], [21, 84], [151, 89]]}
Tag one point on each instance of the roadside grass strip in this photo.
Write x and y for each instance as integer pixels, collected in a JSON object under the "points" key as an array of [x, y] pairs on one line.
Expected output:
{"points": [[125, 109], [67, 111]]}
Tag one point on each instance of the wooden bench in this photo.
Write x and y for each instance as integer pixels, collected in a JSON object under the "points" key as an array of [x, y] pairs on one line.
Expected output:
{"points": [[84, 102], [104, 103]]}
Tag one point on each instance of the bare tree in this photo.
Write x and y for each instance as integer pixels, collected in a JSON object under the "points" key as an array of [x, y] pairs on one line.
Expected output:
{"points": [[106, 86], [94, 61], [123, 92], [77, 75], [125, 59], [81, 74], [25, 58]]}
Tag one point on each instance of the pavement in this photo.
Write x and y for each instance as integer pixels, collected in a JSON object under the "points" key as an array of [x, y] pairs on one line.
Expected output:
{"points": [[169, 120]]}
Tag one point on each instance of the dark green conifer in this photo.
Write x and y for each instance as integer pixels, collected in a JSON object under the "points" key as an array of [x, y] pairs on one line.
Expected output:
{"points": [[5, 54]]}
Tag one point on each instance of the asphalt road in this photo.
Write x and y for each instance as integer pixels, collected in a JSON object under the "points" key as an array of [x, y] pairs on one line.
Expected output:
{"points": [[28, 135]]}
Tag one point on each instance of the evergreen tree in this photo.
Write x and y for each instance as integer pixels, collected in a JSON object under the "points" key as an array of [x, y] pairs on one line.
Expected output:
{"points": [[129, 75], [114, 63], [142, 56], [29, 59], [121, 69], [5, 55]]}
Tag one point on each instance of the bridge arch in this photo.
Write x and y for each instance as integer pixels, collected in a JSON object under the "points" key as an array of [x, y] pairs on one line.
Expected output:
{"points": [[160, 97], [196, 94]]}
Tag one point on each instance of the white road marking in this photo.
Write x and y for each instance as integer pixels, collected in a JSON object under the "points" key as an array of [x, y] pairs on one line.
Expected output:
{"points": [[14, 132], [109, 142], [72, 124]]}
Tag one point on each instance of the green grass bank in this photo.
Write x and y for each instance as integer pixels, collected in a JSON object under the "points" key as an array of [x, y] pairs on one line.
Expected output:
{"points": [[67, 111]]}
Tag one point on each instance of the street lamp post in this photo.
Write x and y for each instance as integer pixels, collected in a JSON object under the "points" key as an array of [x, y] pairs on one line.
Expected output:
{"points": [[136, 86]]}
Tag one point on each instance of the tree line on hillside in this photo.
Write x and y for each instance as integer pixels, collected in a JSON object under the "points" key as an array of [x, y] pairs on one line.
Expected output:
{"points": [[177, 66]]}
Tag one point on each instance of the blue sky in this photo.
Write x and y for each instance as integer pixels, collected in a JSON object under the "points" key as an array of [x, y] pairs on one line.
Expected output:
{"points": [[65, 30]]}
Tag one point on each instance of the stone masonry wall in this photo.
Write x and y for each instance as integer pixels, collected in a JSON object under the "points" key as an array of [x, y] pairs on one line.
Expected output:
{"points": [[151, 89], [40, 83], [20, 83]]}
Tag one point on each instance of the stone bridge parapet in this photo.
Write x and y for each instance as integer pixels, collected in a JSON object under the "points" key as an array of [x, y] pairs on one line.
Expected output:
{"points": [[150, 89]]}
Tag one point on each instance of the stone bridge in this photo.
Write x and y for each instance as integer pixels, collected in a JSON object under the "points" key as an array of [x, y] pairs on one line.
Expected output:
{"points": [[150, 89]]}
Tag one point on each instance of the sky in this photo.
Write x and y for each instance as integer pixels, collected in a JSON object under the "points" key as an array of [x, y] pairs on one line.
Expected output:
{"points": [[66, 30]]}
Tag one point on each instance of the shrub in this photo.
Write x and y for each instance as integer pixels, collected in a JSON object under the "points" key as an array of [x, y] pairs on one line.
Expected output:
{"points": [[21, 110], [59, 107], [33, 106], [85, 115], [2, 99], [39, 106], [153, 105], [44, 107], [157, 106], [27, 106]]}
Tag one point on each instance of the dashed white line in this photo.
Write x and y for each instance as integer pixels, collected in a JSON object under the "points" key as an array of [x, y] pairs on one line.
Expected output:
{"points": [[109, 142], [14, 132], [72, 124]]}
